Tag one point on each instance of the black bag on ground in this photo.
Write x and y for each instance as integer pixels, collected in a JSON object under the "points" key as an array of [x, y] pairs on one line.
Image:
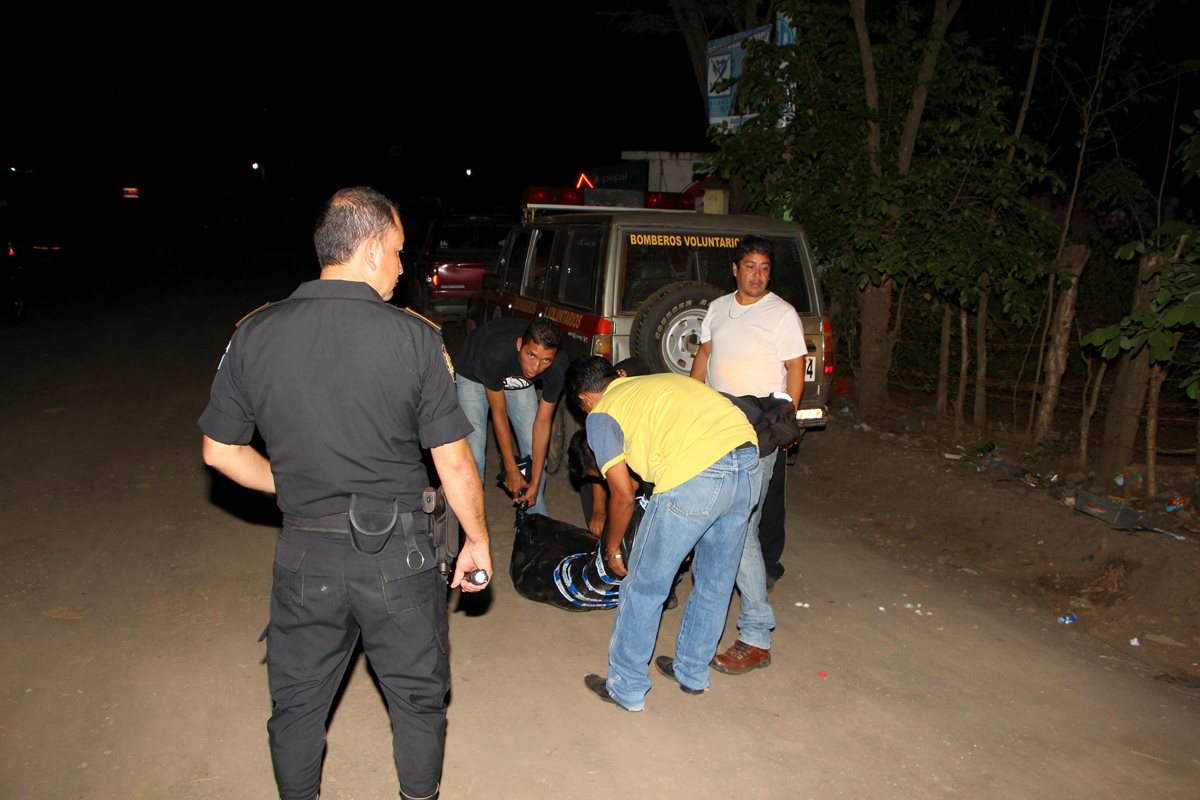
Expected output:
{"points": [[557, 563]]}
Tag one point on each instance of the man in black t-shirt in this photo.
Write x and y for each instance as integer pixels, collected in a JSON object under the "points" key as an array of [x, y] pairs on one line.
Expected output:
{"points": [[346, 392], [499, 369]]}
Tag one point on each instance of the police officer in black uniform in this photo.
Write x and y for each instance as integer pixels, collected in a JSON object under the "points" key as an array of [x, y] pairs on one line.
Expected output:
{"points": [[346, 390]]}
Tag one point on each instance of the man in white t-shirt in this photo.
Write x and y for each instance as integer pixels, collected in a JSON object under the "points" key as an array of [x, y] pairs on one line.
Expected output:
{"points": [[752, 343]]}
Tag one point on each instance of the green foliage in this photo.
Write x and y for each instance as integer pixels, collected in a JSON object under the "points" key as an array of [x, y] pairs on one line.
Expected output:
{"points": [[1120, 198], [960, 216], [1189, 152], [1172, 254]]}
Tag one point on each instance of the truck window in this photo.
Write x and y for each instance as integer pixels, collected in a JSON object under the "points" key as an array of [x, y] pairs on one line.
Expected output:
{"points": [[574, 282], [790, 279], [654, 259], [541, 264], [518, 254]]}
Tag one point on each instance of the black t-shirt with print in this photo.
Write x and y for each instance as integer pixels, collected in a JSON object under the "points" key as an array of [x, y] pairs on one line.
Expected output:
{"points": [[489, 356]]}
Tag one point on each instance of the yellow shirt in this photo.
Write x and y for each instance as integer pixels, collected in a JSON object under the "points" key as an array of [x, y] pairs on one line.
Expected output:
{"points": [[668, 428]]}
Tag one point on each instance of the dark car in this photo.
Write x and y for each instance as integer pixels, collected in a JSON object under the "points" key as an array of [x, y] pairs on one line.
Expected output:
{"points": [[456, 251]]}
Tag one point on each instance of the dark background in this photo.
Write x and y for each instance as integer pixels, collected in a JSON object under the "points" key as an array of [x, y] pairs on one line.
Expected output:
{"points": [[180, 103], [405, 101]]}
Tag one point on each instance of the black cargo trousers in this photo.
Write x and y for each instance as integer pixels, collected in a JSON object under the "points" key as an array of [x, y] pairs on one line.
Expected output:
{"points": [[324, 595]]}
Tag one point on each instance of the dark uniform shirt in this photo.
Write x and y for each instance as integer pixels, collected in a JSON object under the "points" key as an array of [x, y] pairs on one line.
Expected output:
{"points": [[489, 356], [345, 390]]}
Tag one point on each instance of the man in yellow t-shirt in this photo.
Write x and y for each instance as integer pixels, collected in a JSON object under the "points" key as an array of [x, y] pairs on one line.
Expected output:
{"points": [[701, 455]]}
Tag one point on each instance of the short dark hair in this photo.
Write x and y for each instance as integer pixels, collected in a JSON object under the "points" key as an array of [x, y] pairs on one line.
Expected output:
{"points": [[754, 244], [351, 217], [588, 374], [542, 331]]}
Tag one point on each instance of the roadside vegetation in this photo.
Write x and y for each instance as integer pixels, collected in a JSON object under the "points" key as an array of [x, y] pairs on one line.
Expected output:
{"points": [[1003, 200]]}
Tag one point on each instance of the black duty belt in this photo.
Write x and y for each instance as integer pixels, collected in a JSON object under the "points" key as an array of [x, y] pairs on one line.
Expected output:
{"points": [[371, 522], [333, 523]]}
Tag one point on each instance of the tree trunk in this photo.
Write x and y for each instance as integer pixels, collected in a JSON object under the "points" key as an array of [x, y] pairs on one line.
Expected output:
{"points": [[690, 21], [877, 300], [943, 385], [874, 344], [1196, 473], [943, 13], [1033, 68], [1074, 259], [981, 318], [1089, 113], [1124, 413], [858, 10], [964, 362], [1158, 374], [1091, 398]]}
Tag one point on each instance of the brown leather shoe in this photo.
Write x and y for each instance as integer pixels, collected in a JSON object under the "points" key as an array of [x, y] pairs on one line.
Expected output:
{"points": [[741, 658]]}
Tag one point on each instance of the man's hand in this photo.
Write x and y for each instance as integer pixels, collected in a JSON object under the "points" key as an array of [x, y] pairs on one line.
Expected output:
{"points": [[599, 515], [542, 425], [528, 494], [595, 524], [460, 480], [615, 564], [515, 483], [795, 379], [621, 489], [474, 556], [699, 369]]}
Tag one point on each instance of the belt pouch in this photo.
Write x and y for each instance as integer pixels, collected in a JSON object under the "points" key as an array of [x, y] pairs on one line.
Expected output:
{"points": [[372, 522]]}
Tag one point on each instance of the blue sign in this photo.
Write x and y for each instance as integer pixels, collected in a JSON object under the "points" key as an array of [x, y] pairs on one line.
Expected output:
{"points": [[724, 67], [724, 57], [626, 175]]}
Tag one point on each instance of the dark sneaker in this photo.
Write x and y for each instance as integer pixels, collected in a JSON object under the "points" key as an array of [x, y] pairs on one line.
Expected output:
{"points": [[741, 658], [598, 686], [666, 665]]}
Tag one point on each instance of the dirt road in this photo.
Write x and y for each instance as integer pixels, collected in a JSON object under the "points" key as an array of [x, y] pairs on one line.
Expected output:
{"points": [[134, 586]]}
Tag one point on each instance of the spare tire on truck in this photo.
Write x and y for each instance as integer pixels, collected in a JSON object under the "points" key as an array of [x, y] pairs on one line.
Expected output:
{"points": [[666, 331]]}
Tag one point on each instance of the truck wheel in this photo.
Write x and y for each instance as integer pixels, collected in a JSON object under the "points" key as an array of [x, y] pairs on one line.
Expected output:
{"points": [[666, 331]]}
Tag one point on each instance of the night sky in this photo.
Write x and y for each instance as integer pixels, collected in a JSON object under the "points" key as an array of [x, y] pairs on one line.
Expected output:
{"points": [[180, 105], [519, 93]]}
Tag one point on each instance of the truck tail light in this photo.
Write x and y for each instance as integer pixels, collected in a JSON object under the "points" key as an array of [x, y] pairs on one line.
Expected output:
{"points": [[827, 333], [602, 340]]}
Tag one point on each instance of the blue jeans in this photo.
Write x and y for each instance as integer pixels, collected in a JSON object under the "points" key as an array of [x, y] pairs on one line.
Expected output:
{"points": [[708, 514], [756, 617], [522, 405]]}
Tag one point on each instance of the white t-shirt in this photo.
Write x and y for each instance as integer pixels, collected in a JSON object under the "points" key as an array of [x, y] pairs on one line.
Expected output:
{"points": [[750, 344]]}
